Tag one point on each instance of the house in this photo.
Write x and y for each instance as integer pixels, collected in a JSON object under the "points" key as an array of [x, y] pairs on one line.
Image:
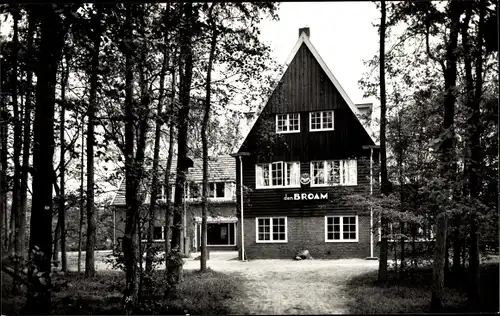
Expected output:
{"points": [[306, 151], [222, 221]]}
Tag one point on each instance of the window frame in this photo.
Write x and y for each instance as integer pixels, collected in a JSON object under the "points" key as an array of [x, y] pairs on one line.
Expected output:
{"points": [[214, 197], [287, 120], [270, 241], [162, 235], [284, 170], [341, 229], [322, 116], [325, 173]]}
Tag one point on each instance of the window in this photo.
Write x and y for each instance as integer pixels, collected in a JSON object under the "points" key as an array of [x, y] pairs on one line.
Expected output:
{"points": [[341, 228], [277, 174], [334, 172], [321, 121], [271, 229], [288, 123], [158, 233], [216, 190]]}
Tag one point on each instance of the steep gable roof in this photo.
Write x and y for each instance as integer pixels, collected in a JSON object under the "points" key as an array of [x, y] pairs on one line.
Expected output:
{"points": [[304, 39]]}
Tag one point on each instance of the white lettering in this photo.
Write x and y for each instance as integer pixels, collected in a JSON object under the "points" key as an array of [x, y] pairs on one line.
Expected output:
{"points": [[305, 196]]}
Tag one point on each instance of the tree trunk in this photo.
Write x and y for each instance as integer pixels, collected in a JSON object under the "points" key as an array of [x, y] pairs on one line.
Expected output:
{"points": [[3, 175], [474, 123], [156, 157], [27, 136], [4, 133], [457, 248], [384, 245], [51, 44], [55, 253], [447, 167], [130, 242], [185, 79], [91, 211], [80, 227], [15, 208], [204, 140], [171, 137], [168, 211], [62, 197]]}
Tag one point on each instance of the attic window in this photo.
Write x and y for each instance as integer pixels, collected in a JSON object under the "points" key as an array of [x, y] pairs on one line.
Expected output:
{"points": [[321, 121], [288, 123]]}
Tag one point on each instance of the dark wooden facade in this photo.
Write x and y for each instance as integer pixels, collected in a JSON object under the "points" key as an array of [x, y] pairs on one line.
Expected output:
{"points": [[305, 87]]}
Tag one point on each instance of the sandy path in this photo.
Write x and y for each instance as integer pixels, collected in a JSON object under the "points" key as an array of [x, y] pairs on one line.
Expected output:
{"points": [[293, 287], [283, 286]]}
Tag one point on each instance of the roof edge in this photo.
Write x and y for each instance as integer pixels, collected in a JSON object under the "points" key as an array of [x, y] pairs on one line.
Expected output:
{"points": [[303, 38]]}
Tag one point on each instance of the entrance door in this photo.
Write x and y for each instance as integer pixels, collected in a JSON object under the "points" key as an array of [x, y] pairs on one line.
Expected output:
{"points": [[220, 234]]}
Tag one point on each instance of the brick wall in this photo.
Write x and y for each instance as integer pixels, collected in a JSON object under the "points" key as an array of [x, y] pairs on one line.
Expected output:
{"points": [[307, 233]]}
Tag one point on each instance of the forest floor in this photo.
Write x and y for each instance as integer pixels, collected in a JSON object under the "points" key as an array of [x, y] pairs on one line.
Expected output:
{"points": [[346, 286]]}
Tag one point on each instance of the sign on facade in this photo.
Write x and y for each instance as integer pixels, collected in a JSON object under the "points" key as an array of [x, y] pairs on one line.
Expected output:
{"points": [[305, 196]]}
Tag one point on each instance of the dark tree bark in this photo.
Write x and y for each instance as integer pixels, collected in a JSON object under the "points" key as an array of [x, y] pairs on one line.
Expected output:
{"points": [[469, 91], [62, 164], [4, 133], [384, 245], [132, 217], [27, 134], [51, 44], [168, 211], [3, 174], [15, 207], [142, 111], [447, 167], [91, 211], [204, 141], [133, 168], [185, 79], [80, 226], [474, 124], [156, 157]]}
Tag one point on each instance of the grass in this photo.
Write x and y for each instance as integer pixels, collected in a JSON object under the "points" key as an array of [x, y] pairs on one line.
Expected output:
{"points": [[200, 293], [413, 295]]}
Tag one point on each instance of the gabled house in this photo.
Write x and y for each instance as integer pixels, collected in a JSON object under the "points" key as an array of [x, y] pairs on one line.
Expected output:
{"points": [[222, 221], [307, 149]]}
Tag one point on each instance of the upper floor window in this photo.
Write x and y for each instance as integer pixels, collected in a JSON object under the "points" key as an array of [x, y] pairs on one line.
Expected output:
{"points": [[321, 121], [216, 190], [288, 123], [334, 172], [277, 174]]}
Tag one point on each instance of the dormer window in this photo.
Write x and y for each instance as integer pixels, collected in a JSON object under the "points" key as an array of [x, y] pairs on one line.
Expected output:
{"points": [[321, 121], [288, 123]]}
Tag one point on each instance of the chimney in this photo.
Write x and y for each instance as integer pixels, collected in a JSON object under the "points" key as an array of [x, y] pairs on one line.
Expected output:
{"points": [[305, 30], [366, 112]]}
